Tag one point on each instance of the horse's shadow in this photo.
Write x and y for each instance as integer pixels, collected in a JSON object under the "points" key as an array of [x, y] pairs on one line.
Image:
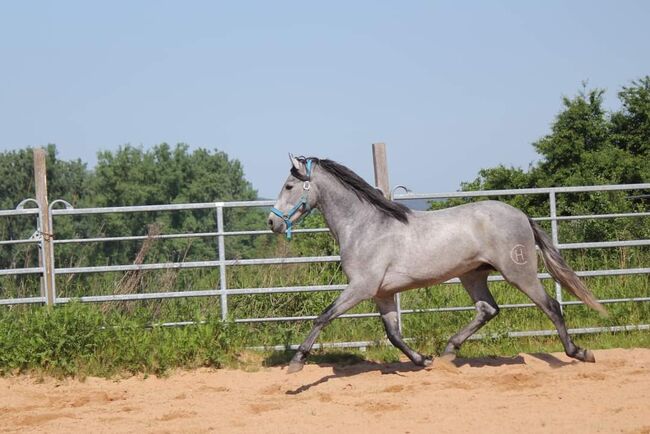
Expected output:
{"points": [[552, 361], [362, 367], [342, 364], [494, 361], [348, 365]]}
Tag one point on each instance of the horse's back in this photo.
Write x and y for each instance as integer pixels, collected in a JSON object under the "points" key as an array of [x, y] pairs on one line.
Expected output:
{"points": [[478, 219], [480, 209]]}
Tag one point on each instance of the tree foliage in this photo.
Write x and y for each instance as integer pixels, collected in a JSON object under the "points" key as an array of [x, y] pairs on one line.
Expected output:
{"points": [[166, 175], [587, 146], [128, 176], [67, 180], [162, 174]]}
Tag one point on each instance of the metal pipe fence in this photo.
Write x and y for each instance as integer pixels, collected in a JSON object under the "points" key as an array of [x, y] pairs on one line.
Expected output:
{"points": [[223, 264]]}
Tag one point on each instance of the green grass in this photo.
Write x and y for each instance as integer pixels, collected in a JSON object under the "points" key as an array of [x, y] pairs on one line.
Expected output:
{"points": [[117, 338], [82, 340]]}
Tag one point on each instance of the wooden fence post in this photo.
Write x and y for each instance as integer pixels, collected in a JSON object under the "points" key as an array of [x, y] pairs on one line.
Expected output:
{"points": [[381, 168], [380, 163], [40, 182]]}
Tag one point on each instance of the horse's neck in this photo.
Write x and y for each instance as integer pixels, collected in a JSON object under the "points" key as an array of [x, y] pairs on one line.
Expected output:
{"points": [[344, 212]]}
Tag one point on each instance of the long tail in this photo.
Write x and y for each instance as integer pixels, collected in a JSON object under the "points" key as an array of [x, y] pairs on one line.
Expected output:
{"points": [[561, 271]]}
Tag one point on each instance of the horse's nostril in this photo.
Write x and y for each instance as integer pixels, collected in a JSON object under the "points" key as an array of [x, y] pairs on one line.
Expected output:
{"points": [[270, 223]]}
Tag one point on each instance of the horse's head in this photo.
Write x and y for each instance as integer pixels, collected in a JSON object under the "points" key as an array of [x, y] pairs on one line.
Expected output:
{"points": [[297, 197]]}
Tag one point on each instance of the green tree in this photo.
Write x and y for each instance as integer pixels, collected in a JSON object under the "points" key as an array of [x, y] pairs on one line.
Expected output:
{"points": [[67, 180], [630, 129], [129, 176], [587, 146], [161, 175], [164, 175]]}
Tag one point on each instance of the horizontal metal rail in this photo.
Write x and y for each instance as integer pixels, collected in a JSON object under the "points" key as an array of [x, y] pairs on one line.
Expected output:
{"points": [[320, 288], [198, 264], [24, 241], [16, 212], [284, 261], [594, 216], [201, 293], [522, 305], [610, 301], [599, 244], [16, 271], [24, 300], [435, 310], [183, 235], [522, 191], [574, 331], [604, 244], [158, 208], [301, 318]]}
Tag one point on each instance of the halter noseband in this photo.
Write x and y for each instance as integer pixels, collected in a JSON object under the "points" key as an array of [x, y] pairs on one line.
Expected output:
{"points": [[303, 202]]}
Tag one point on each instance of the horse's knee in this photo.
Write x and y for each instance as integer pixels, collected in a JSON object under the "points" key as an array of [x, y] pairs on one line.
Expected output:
{"points": [[486, 310], [321, 321]]}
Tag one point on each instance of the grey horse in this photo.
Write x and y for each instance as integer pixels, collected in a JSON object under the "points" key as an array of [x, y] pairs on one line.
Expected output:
{"points": [[387, 248]]}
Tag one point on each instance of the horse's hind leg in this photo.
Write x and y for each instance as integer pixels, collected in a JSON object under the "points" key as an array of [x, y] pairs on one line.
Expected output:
{"points": [[475, 282], [388, 310], [530, 285]]}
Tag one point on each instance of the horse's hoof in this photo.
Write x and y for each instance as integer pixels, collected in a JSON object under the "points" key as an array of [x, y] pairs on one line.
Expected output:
{"points": [[295, 367], [427, 361], [584, 355]]}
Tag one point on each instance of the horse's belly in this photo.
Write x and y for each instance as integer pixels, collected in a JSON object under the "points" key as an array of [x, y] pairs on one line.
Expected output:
{"points": [[397, 283], [431, 257], [402, 278]]}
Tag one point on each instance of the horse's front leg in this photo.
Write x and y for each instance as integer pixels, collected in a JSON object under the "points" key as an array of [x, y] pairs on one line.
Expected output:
{"points": [[388, 310], [349, 298]]}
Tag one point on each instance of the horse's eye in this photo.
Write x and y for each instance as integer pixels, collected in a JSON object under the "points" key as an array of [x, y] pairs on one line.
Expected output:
{"points": [[289, 187]]}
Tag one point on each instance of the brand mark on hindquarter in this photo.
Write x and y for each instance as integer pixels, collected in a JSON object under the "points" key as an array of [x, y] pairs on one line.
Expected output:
{"points": [[517, 254]]}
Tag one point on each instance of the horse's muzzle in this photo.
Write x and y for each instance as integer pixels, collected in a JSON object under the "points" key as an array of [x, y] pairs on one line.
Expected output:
{"points": [[276, 224]]}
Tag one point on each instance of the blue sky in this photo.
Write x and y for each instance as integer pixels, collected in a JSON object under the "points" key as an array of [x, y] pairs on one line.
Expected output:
{"points": [[451, 87]]}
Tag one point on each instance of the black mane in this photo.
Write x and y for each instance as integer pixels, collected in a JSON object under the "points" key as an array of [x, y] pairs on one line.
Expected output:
{"points": [[361, 188]]}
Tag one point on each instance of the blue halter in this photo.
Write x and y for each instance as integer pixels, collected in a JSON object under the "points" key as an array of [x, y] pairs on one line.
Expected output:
{"points": [[303, 202]]}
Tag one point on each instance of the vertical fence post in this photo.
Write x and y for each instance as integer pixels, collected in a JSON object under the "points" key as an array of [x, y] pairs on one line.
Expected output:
{"points": [[48, 239], [380, 163], [555, 238], [222, 262], [46, 254]]}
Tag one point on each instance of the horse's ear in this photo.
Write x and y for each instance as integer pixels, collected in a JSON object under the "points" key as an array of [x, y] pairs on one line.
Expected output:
{"points": [[294, 161]]}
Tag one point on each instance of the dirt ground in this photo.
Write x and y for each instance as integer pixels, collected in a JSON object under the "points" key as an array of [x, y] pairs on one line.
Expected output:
{"points": [[527, 393]]}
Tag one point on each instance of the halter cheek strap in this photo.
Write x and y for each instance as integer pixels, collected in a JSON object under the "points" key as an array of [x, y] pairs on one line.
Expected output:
{"points": [[302, 203]]}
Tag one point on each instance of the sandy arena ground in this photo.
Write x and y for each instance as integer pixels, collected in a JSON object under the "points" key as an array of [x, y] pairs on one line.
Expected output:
{"points": [[527, 393]]}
